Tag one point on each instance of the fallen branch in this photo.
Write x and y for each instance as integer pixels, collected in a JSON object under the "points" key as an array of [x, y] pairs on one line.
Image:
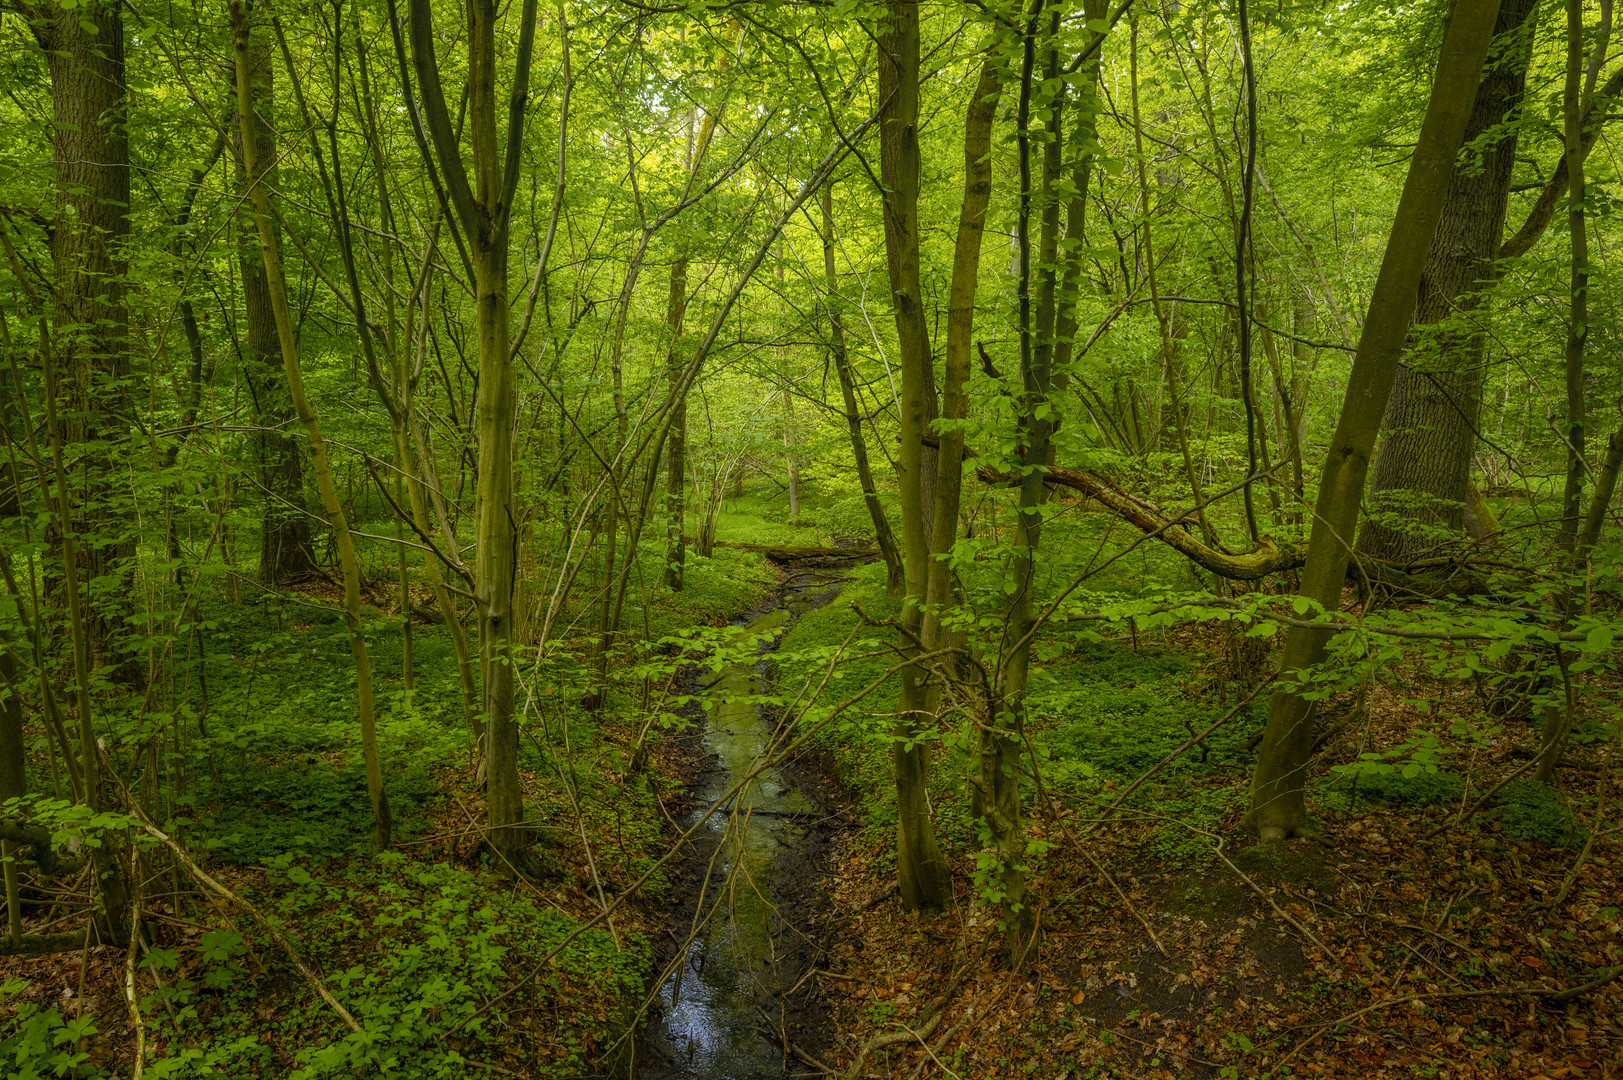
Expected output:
{"points": [[785, 553], [1269, 556], [1605, 978], [213, 886], [40, 944]]}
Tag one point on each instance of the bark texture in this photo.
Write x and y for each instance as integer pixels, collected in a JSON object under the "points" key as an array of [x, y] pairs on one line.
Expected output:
{"points": [[84, 46], [925, 879], [484, 209], [1422, 471]]}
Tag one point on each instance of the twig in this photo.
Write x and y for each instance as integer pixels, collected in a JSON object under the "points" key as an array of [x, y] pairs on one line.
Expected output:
{"points": [[1158, 766], [1148, 929], [1520, 991], [210, 885], [939, 1063], [1474, 807], [129, 990], [1283, 914]]}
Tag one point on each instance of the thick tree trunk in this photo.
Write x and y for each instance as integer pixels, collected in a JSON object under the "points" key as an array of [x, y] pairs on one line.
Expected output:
{"points": [[1422, 471], [84, 46], [1277, 806]]}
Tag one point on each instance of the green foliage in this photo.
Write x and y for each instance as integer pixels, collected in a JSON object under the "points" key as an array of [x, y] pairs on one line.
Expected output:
{"points": [[262, 808], [454, 945], [37, 1042], [1395, 787], [1536, 813]]}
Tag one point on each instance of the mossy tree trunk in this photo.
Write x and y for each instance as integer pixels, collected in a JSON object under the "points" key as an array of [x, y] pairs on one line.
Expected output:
{"points": [[1278, 808], [484, 209], [1423, 467]]}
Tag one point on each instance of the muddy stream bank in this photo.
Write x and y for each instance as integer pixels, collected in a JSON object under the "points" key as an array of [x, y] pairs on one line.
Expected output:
{"points": [[748, 907]]}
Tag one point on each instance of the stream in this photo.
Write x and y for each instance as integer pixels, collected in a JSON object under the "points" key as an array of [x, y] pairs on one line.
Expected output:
{"points": [[719, 1012]]}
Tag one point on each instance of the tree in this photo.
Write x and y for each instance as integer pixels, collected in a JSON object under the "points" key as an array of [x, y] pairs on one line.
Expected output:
{"points": [[285, 554], [90, 264], [1277, 806], [276, 288], [1423, 467], [484, 209]]}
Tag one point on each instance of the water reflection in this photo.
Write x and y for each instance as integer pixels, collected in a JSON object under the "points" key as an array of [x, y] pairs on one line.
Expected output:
{"points": [[713, 1024]]}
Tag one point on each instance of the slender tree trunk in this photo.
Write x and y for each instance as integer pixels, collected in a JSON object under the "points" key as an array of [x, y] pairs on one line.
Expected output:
{"points": [[1571, 533], [998, 780], [791, 458], [484, 209], [924, 876], [280, 310], [1278, 809], [990, 784], [285, 552], [1423, 468], [677, 450], [884, 538]]}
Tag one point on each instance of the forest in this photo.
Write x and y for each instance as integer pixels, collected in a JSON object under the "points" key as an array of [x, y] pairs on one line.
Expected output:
{"points": [[750, 539]]}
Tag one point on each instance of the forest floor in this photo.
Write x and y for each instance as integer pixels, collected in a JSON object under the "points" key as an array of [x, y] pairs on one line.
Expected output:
{"points": [[1401, 945], [1406, 944]]}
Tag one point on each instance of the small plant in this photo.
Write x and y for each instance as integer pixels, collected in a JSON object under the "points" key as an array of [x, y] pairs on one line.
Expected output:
{"points": [[1536, 813], [39, 1042]]}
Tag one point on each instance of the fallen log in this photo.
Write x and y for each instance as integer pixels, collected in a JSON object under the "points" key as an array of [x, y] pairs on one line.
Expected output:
{"points": [[780, 553]]}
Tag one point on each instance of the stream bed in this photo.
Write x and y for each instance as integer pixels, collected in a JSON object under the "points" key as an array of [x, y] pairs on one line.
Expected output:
{"points": [[721, 1015]]}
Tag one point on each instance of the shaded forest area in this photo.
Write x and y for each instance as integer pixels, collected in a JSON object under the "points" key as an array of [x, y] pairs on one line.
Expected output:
{"points": [[782, 538]]}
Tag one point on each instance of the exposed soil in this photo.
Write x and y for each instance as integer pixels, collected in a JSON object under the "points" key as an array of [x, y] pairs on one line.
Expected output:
{"points": [[1398, 947]]}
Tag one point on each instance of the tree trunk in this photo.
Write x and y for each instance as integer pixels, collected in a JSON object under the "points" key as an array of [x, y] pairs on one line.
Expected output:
{"points": [[1278, 809], [1570, 533], [884, 538], [677, 447], [84, 46], [925, 879], [285, 554], [979, 117], [791, 458], [277, 293], [485, 212], [1423, 468]]}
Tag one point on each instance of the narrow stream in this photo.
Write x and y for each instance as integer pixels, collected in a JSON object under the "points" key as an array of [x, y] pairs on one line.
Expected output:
{"points": [[717, 1011]]}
